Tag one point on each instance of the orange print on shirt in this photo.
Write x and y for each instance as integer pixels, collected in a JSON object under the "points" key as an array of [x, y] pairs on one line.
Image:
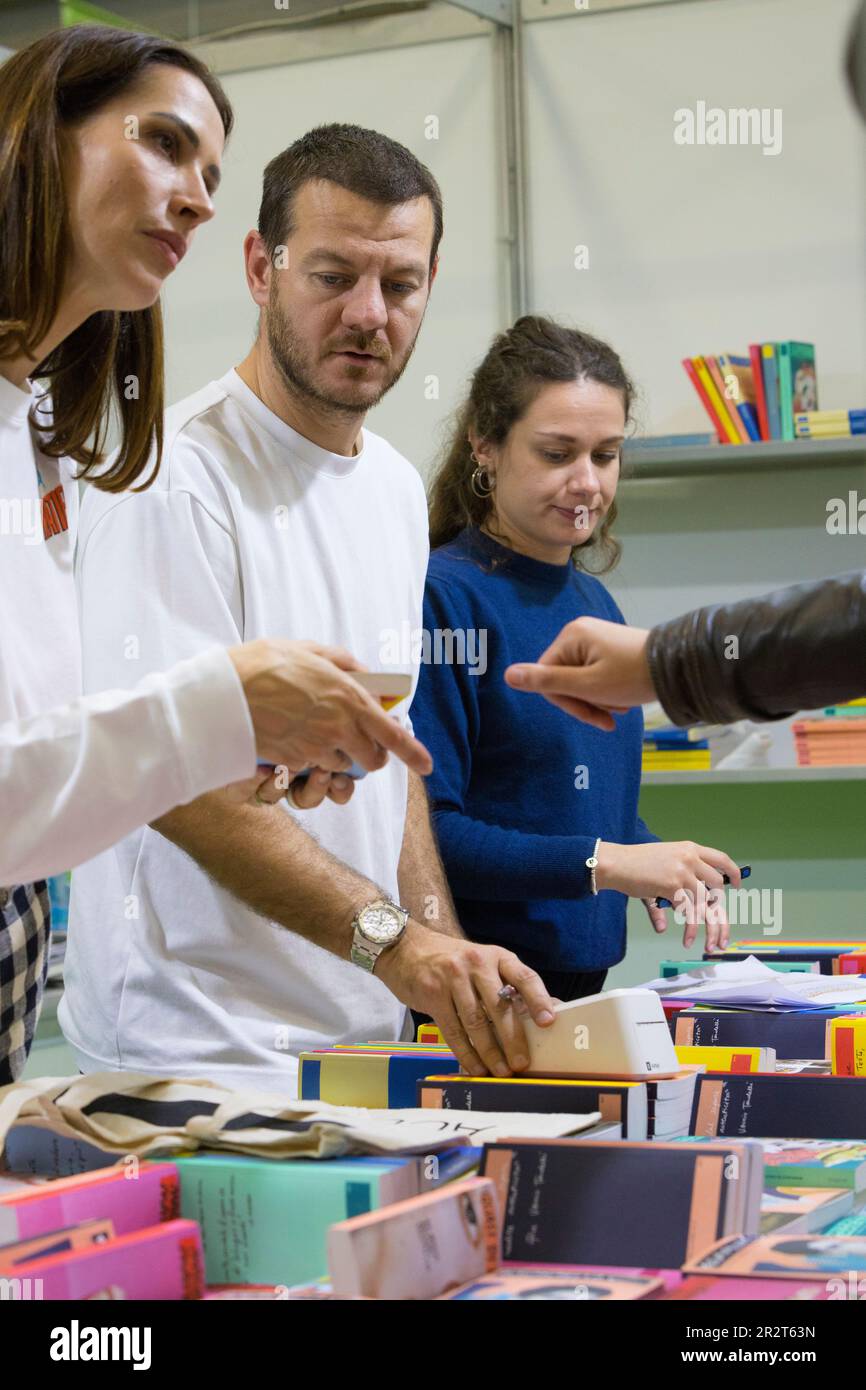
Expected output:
{"points": [[54, 518]]}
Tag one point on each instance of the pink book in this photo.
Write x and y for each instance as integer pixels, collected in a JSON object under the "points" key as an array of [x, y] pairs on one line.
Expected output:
{"points": [[130, 1198], [704, 1289], [418, 1248], [162, 1262]]}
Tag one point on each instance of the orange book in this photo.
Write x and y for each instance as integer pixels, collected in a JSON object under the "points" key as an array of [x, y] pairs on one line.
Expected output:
{"points": [[715, 372]]}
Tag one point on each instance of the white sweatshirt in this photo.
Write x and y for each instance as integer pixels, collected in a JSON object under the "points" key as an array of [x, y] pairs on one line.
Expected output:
{"points": [[77, 774]]}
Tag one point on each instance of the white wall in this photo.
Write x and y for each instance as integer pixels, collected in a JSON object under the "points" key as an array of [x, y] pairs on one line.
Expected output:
{"points": [[691, 249], [700, 249]]}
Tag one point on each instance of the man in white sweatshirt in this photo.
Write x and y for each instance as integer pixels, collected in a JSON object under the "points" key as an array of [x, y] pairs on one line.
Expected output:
{"points": [[276, 511]]}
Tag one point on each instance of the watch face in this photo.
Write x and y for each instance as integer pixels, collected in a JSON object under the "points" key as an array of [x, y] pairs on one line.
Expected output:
{"points": [[380, 924]]}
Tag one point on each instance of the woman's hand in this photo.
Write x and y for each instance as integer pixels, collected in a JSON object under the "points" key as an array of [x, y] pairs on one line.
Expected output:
{"points": [[689, 874]]}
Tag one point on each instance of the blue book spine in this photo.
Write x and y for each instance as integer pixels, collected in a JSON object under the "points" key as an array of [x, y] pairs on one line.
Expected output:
{"points": [[676, 745], [668, 737], [670, 441], [771, 391], [309, 1080], [749, 417], [404, 1073]]}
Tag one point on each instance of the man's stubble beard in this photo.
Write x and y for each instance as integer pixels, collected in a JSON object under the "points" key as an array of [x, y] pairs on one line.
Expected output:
{"points": [[294, 367]]}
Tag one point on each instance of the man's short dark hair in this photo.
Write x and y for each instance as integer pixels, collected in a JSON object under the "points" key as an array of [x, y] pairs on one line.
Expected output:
{"points": [[363, 161]]}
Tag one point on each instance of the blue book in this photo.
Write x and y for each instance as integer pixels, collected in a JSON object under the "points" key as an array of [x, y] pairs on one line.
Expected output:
{"points": [[670, 441], [771, 389], [671, 735]]}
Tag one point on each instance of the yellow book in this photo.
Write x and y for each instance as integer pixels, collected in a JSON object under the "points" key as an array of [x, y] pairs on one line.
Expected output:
{"points": [[848, 1046], [701, 757], [719, 405], [669, 766], [734, 1059], [428, 1033]]}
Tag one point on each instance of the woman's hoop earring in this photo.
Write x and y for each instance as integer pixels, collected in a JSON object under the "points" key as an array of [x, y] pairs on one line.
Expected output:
{"points": [[481, 482]]}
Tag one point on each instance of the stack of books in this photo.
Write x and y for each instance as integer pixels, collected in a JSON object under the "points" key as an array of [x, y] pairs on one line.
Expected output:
{"points": [[830, 742], [762, 395], [99, 1235], [675, 750], [829, 424]]}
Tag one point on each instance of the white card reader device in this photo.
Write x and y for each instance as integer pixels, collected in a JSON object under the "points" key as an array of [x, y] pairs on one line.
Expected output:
{"points": [[621, 1033]]}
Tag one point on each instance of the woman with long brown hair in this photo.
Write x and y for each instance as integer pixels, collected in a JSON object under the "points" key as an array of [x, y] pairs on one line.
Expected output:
{"points": [[536, 814], [110, 151]]}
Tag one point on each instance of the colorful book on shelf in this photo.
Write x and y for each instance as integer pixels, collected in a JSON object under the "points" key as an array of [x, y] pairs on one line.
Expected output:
{"points": [[670, 737], [618, 1102], [130, 1202], [155, 1263], [420, 1248], [798, 383], [830, 742], [779, 1106], [649, 443], [651, 1205], [760, 394], [770, 361], [661, 760], [370, 1078], [851, 709], [265, 1221], [736, 374], [724, 389], [782, 1256], [700, 377], [829, 424]]}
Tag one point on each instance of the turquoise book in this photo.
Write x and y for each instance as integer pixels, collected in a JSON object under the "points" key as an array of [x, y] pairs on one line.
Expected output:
{"points": [[264, 1221], [798, 383], [669, 969]]}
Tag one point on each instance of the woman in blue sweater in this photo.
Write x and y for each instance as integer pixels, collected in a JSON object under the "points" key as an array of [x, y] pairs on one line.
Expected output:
{"points": [[535, 812]]}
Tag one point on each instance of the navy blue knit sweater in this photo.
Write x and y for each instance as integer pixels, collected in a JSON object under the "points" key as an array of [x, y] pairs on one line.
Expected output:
{"points": [[520, 791]]}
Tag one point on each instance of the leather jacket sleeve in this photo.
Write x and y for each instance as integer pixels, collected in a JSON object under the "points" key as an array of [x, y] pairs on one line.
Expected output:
{"points": [[795, 648]]}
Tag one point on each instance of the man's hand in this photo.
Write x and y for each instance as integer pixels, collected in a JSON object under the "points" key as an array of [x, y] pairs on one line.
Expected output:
{"points": [[307, 710], [591, 669], [307, 791], [457, 983]]}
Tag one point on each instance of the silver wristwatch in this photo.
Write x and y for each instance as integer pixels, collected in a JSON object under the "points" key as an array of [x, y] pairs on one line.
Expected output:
{"points": [[376, 927]]}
